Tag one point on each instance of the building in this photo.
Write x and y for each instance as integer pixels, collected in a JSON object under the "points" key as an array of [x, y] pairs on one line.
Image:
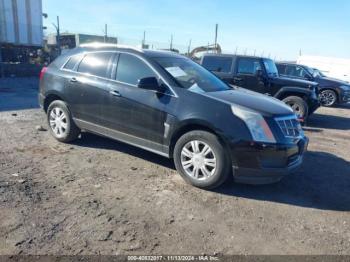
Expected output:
{"points": [[70, 40], [21, 33]]}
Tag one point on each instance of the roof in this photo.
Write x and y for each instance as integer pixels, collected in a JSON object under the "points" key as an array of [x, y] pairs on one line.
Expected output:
{"points": [[234, 55], [115, 47]]}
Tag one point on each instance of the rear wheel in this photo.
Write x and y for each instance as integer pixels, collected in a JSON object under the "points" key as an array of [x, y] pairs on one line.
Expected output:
{"points": [[298, 105], [201, 159], [60, 121], [328, 97]]}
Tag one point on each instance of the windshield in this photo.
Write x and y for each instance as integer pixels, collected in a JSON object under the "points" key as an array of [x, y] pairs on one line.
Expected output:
{"points": [[270, 67], [190, 75]]}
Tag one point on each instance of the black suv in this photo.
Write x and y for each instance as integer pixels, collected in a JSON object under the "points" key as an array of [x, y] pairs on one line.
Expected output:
{"points": [[167, 104], [261, 75], [332, 91]]}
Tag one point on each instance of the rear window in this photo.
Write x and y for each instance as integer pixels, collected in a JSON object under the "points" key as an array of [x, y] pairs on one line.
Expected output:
{"points": [[96, 64], [72, 61], [217, 64]]}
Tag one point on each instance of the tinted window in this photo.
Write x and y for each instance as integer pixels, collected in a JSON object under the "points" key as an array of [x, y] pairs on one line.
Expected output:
{"points": [[248, 66], [131, 69], [95, 64], [270, 67], [296, 71], [281, 69], [72, 62], [218, 64]]}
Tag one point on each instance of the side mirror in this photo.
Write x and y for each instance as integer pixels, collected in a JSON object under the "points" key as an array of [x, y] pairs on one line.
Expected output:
{"points": [[259, 73], [149, 83]]}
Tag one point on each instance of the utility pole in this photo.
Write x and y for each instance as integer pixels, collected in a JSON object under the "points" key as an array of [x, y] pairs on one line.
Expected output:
{"points": [[106, 33], [216, 37], [189, 47], [171, 43], [58, 35], [144, 39]]}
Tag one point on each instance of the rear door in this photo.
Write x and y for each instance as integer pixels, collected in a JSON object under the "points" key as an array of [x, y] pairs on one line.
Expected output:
{"points": [[131, 110], [246, 69], [88, 85]]}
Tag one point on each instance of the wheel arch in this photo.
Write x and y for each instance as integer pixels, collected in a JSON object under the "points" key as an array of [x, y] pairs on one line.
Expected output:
{"points": [[49, 98], [192, 125], [292, 91]]}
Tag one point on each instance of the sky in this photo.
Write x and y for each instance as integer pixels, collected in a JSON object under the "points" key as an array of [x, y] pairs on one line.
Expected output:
{"points": [[276, 28]]}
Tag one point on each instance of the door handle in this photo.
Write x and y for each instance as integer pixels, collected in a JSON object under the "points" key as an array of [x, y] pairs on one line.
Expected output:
{"points": [[115, 93], [73, 80], [237, 79]]}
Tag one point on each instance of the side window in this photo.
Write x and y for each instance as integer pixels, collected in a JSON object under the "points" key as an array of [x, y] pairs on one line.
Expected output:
{"points": [[131, 69], [218, 64], [281, 69], [301, 72], [248, 66], [296, 71], [95, 64], [72, 61], [291, 70]]}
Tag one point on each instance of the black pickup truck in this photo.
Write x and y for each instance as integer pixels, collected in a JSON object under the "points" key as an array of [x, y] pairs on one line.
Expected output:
{"points": [[261, 75]]}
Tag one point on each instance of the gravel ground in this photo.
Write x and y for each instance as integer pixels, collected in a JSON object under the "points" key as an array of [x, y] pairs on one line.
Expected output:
{"points": [[98, 196]]}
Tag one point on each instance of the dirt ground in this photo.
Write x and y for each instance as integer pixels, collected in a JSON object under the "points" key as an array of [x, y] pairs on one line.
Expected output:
{"points": [[98, 196]]}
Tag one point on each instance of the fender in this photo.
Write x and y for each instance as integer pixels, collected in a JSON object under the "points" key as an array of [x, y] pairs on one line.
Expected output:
{"points": [[178, 127], [293, 89]]}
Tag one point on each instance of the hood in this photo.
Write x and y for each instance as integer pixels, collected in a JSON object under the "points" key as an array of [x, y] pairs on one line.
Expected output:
{"points": [[265, 105], [328, 81], [293, 82]]}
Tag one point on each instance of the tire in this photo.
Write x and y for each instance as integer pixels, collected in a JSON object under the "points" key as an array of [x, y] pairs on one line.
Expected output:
{"points": [[328, 97], [60, 122], [208, 177], [298, 105]]}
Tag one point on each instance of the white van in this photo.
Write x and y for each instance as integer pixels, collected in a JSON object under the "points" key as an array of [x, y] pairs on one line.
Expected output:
{"points": [[330, 66]]}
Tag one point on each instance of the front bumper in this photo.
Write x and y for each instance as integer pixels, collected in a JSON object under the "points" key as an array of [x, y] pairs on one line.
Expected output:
{"points": [[344, 97], [258, 163]]}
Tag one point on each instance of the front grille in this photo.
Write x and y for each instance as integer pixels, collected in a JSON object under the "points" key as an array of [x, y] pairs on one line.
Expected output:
{"points": [[290, 126]]}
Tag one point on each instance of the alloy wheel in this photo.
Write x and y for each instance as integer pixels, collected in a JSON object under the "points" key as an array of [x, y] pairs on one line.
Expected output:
{"points": [[328, 98]]}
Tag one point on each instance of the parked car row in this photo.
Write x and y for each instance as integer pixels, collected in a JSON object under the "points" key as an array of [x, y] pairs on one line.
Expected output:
{"points": [[261, 75], [301, 87], [169, 105], [332, 91]]}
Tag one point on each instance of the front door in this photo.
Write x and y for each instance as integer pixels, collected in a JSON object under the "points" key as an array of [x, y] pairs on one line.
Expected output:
{"points": [[246, 74], [131, 110]]}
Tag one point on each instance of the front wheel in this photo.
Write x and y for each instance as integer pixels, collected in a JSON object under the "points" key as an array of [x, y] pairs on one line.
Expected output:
{"points": [[298, 105], [201, 159]]}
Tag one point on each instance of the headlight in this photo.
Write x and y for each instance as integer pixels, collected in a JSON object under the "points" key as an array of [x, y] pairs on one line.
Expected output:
{"points": [[256, 124], [345, 88]]}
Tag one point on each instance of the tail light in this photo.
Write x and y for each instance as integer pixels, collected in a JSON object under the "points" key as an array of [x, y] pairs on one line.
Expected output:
{"points": [[42, 72]]}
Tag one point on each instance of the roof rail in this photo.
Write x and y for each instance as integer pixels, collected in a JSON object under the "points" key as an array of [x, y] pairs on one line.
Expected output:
{"points": [[101, 44]]}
